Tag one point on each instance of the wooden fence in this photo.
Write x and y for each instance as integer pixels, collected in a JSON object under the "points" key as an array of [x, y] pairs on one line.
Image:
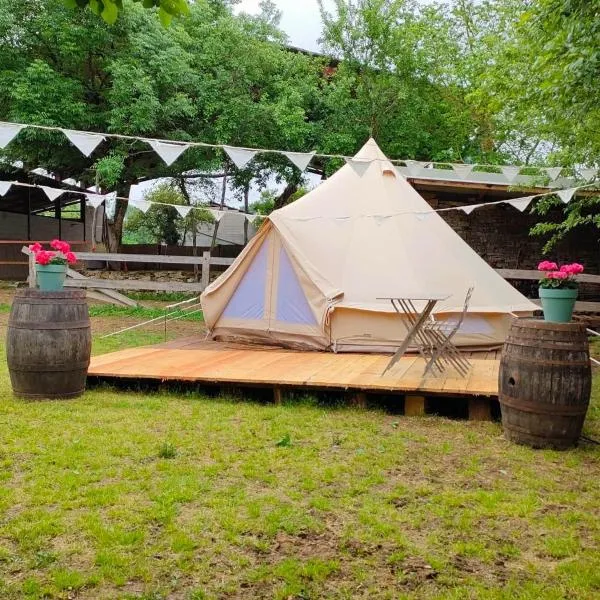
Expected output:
{"points": [[109, 287]]}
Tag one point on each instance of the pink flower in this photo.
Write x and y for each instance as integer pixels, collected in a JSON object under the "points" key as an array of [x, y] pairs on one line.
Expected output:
{"points": [[56, 244], [61, 246], [71, 258], [35, 247], [557, 275], [576, 268], [43, 257], [547, 266]]}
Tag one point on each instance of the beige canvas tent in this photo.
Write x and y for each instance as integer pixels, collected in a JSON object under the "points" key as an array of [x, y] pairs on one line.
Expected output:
{"points": [[312, 276]]}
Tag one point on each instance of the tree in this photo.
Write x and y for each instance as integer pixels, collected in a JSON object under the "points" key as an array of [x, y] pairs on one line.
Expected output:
{"points": [[109, 9], [211, 77]]}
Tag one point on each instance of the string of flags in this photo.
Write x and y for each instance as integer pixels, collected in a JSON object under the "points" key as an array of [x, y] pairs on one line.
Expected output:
{"points": [[170, 150], [95, 200]]}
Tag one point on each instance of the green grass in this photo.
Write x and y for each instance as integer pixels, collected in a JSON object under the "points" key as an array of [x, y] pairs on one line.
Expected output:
{"points": [[161, 296], [140, 312], [177, 495]]}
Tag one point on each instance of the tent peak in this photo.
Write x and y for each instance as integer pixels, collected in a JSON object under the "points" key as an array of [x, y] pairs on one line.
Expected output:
{"points": [[371, 151]]}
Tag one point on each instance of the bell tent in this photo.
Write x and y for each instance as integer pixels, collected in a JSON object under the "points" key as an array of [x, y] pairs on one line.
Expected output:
{"points": [[318, 272]]}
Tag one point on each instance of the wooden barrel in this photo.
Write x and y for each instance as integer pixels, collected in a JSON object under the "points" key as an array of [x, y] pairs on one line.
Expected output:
{"points": [[48, 344], [545, 383]]}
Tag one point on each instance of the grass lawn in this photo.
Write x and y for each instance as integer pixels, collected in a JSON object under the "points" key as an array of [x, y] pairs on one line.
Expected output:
{"points": [[181, 496]]}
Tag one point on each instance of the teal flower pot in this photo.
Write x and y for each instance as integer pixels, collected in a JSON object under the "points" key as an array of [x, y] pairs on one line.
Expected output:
{"points": [[558, 304], [51, 278]]}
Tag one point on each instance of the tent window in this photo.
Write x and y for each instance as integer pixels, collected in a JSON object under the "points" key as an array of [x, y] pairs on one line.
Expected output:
{"points": [[292, 305], [248, 300]]}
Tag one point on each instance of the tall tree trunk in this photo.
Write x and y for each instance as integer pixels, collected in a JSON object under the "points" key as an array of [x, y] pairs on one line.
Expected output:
{"points": [[114, 227], [246, 207], [193, 224], [224, 189], [288, 192]]}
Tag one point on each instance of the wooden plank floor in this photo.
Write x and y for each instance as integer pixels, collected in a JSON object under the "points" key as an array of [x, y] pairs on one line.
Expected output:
{"points": [[196, 360]]}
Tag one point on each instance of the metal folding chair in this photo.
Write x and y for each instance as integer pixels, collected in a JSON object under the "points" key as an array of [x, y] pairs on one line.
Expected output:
{"points": [[439, 335]]}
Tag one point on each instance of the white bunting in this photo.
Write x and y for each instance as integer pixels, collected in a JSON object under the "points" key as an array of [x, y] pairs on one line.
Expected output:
{"points": [[4, 187], [463, 171], [553, 172], [589, 174], [240, 156], [183, 209], [510, 172], [8, 131], [110, 205], [521, 203], [253, 218], [469, 209], [167, 151], [140, 204], [95, 200], [300, 159], [359, 165], [423, 215], [86, 143], [52, 193], [217, 214], [566, 195]]}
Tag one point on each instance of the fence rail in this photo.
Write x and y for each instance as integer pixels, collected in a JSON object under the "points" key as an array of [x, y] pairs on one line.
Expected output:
{"points": [[533, 275]]}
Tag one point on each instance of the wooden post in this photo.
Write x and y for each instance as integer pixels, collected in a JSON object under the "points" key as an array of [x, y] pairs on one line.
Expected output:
{"points": [[82, 215], [358, 399], [31, 279], [205, 269], [414, 406], [480, 409], [277, 396]]}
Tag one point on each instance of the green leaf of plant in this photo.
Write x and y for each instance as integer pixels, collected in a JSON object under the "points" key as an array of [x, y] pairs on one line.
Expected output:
{"points": [[285, 441], [96, 6], [110, 12], [165, 17]]}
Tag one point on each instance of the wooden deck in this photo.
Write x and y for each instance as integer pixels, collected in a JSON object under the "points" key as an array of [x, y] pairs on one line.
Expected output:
{"points": [[224, 364]]}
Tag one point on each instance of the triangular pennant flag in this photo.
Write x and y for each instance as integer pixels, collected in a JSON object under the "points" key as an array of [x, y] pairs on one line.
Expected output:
{"points": [[52, 193], [253, 218], [521, 203], [566, 195], [95, 200], [140, 204], [589, 174], [8, 131], [300, 159], [183, 209], [240, 156], [4, 187], [359, 165], [217, 214], [553, 172], [167, 151], [510, 172], [85, 142], [463, 170], [469, 209]]}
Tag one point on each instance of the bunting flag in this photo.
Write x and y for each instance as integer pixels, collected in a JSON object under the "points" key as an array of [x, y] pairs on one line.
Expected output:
{"points": [[463, 171], [217, 214], [110, 205], [169, 152], [589, 174], [359, 165], [240, 157], [300, 159], [566, 194], [85, 142], [253, 218], [469, 209], [183, 210], [553, 172], [4, 187], [95, 200], [140, 204], [8, 131], [510, 172], [521, 203], [52, 193]]}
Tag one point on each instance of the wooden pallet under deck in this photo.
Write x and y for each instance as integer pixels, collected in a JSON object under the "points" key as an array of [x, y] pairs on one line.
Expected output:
{"points": [[226, 364]]}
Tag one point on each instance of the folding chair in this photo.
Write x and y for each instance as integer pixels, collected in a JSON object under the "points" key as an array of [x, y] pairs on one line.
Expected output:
{"points": [[439, 335]]}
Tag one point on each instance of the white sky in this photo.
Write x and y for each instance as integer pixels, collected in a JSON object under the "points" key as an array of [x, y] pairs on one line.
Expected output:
{"points": [[300, 19]]}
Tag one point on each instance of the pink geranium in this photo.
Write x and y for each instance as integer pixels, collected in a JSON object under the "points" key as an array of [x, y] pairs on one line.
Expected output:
{"points": [[35, 247], [71, 258], [547, 266], [61, 256], [43, 257], [562, 277]]}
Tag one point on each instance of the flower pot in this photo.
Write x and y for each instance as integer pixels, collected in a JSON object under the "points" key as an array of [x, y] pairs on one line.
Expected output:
{"points": [[558, 304], [51, 278]]}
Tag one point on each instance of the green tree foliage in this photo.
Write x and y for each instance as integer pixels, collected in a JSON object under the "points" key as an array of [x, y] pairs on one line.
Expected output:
{"points": [[162, 224], [109, 9]]}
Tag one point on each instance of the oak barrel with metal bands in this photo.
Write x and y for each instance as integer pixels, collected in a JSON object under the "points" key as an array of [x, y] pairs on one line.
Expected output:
{"points": [[48, 344], [544, 383]]}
